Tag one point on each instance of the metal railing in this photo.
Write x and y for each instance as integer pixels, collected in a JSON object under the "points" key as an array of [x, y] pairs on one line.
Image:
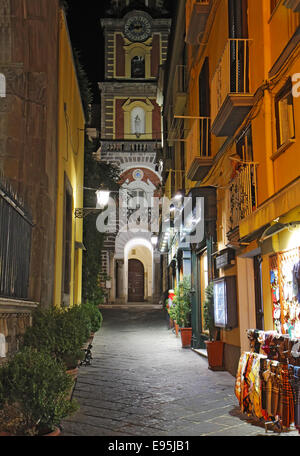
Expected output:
{"points": [[243, 192], [129, 146], [15, 246], [232, 73]]}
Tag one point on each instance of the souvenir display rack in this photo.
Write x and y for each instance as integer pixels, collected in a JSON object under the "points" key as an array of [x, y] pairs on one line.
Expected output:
{"points": [[286, 306], [268, 380]]}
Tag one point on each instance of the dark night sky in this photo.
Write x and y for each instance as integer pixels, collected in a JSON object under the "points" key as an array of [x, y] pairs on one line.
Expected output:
{"points": [[86, 36]]}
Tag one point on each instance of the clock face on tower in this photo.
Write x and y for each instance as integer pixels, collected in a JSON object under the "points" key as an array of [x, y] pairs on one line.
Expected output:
{"points": [[137, 28]]}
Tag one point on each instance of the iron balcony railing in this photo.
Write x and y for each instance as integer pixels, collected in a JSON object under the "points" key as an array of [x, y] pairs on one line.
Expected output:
{"points": [[15, 246], [243, 192], [232, 73]]}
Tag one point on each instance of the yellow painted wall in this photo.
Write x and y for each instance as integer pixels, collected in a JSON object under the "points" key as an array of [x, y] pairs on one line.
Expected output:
{"points": [[71, 123], [268, 35]]}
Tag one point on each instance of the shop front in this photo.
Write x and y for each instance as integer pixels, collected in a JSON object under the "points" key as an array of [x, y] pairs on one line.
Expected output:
{"points": [[202, 263], [270, 354]]}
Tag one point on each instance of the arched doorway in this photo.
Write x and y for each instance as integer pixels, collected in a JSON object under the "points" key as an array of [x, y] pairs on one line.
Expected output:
{"points": [[136, 281]]}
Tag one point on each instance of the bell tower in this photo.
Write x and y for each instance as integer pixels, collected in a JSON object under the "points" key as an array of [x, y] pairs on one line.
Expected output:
{"points": [[136, 35]]}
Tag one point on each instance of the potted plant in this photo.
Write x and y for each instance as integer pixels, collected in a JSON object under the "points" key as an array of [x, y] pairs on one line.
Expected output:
{"points": [[34, 390], [94, 314], [182, 301], [61, 333], [214, 345], [173, 316]]}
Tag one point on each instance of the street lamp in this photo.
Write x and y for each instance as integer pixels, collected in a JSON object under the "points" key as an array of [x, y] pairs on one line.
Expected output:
{"points": [[102, 198], [102, 202]]}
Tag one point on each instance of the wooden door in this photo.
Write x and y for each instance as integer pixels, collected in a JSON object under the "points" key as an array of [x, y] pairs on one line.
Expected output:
{"points": [[136, 277]]}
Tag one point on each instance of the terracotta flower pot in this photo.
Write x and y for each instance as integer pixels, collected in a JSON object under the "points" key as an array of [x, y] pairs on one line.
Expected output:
{"points": [[171, 323], [73, 372], [215, 354], [54, 433], [186, 337]]}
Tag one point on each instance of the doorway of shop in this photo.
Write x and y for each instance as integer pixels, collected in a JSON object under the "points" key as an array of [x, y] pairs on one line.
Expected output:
{"points": [[136, 281]]}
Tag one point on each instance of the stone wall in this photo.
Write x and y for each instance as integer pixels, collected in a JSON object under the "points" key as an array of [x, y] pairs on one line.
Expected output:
{"points": [[15, 317], [28, 124]]}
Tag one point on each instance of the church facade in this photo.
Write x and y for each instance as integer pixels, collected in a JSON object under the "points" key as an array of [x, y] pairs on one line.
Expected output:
{"points": [[136, 38]]}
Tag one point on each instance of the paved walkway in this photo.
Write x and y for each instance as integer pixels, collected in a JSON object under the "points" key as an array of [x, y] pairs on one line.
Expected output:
{"points": [[142, 383]]}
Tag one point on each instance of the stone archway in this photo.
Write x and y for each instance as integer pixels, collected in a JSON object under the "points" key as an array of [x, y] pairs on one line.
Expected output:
{"points": [[137, 246]]}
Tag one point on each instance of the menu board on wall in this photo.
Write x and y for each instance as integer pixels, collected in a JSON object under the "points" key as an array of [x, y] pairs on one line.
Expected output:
{"points": [[220, 304], [225, 303]]}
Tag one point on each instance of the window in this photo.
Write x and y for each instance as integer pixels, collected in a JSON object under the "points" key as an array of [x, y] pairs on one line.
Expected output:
{"points": [[138, 121], [238, 18], [204, 110], [138, 67], [284, 110], [137, 199]]}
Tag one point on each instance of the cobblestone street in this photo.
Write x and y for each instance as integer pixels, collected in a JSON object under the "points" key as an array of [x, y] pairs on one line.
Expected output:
{"points": [[142, 383]]}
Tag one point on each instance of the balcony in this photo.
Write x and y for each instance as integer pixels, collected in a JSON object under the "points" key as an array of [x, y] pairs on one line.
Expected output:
{"points": [[199, 159], [122, 152], [243, 193], [293, 5], [180, 89], [197, 12], [231, 100]]}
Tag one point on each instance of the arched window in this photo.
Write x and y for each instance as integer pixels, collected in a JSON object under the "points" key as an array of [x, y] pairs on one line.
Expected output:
{"points": [[138, 121], [138, 67], [2, 86]]}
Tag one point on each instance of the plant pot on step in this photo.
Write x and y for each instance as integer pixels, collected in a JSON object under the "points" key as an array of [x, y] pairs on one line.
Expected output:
{"points": [[176, 328], [215, 351], [186, 337], [171, 323], [55, 433]]}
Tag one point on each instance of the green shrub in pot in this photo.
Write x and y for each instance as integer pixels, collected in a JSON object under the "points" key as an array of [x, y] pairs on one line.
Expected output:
{"points": [[94, 315], [182, 301], [60, 332], [34, 389]]}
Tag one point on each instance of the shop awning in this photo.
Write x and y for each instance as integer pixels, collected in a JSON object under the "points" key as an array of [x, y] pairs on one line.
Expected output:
{"points": [[276, 206]]}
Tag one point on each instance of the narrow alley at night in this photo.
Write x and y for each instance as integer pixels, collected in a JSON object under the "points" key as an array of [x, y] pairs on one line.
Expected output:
{"points": [[141, 382], [150, 220]]}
